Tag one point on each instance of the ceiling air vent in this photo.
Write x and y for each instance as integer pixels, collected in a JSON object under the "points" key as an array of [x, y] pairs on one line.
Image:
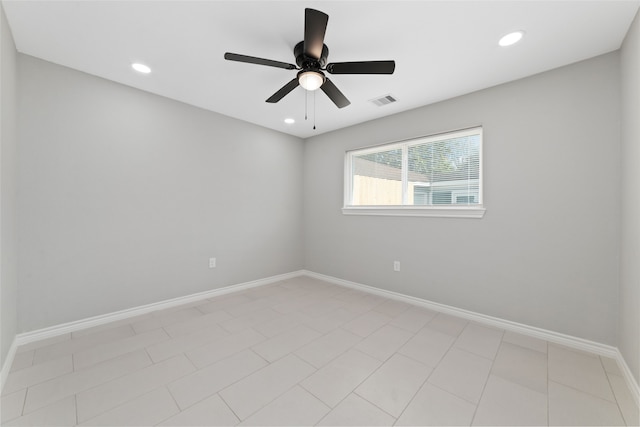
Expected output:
{"points": [[383, 100]]}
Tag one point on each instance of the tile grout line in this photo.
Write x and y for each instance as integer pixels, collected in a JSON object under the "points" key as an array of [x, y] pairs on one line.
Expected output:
{"points": [[228, 406], [484, 387], [73, 351], [364, 380], [24, 402], [128, 351], [528, 348], [382, 363], [256, 353], [475, 354], [86, 389], [612, 392], [222, 389], [120, 404], [436, 365], [174, 401], [75, 401], [414, 394], [516, 382], [191, 361], [123, 376], [451, 346], [395, 419], [334, 358], [587, 393], [352, 391], [195, 368], [548, 395], [282, 394], [43, 381], [146, 351]]}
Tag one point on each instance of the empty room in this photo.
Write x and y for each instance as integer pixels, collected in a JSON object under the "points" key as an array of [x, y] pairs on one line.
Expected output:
{"points": [[330, 213]]}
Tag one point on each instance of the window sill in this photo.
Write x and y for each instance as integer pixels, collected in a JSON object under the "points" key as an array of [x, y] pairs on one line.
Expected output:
{"points": [[430, 211]]}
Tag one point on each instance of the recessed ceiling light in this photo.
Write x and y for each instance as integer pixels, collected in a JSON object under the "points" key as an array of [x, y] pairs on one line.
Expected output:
{"points": [[511, 38], [289, 121], [141, 68]]}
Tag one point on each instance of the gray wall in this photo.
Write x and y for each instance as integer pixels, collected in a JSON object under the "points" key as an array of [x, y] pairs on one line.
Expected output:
{"points": [[8, 198], [547, 251], [124, 196], [629, 339]]}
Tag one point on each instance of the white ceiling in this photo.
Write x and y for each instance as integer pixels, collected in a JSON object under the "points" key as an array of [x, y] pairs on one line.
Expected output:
{"points": [[442, 49]]}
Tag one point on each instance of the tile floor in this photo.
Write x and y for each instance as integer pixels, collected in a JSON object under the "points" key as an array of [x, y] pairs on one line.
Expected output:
{"points": [[305, 352]]}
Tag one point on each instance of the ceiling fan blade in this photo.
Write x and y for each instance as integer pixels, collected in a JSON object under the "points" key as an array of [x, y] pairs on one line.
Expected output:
{"points": [[363, 67], [334, 94], [315, 25], [260, 61], [283, 91]]}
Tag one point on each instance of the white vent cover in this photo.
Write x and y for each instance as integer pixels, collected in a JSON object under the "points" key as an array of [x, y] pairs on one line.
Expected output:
{"points": [[383, 100]]}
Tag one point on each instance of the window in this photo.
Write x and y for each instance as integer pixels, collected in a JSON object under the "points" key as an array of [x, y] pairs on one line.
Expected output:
{"points": [[438, 175]]}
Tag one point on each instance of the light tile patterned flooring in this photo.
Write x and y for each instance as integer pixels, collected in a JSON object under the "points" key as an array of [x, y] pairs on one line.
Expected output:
{"points": [[305, 352]]}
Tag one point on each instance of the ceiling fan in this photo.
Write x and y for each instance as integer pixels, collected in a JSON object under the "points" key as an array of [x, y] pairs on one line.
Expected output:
{"points": [[311, 57]]}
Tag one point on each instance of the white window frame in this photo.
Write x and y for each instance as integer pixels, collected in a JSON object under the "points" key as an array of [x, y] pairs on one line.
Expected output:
{"points": [[449, 211]]}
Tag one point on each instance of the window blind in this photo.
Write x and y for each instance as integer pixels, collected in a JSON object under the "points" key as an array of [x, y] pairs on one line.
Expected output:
{"points": [[437, 170]]}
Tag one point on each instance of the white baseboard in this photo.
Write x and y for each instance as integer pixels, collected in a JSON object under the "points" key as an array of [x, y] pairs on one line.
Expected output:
{"points": [[629, 378], [53, 331], [555, 337], [77, 325], [551, 336]]}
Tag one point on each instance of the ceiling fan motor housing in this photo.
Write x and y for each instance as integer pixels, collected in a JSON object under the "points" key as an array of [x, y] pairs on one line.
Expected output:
{"points": [[309, 63]]}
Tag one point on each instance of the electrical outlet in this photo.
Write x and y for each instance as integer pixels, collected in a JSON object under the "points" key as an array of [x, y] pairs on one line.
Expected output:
{"points": [[396, 265], [212, 263]]}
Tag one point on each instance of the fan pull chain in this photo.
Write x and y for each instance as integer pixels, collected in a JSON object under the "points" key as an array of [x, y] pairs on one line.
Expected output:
{"points": [[314, 109], [306, 102]]}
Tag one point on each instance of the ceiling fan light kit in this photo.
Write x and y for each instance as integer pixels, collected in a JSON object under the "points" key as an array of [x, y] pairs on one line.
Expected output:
{"points": [[311, 80], [311, 59]]}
